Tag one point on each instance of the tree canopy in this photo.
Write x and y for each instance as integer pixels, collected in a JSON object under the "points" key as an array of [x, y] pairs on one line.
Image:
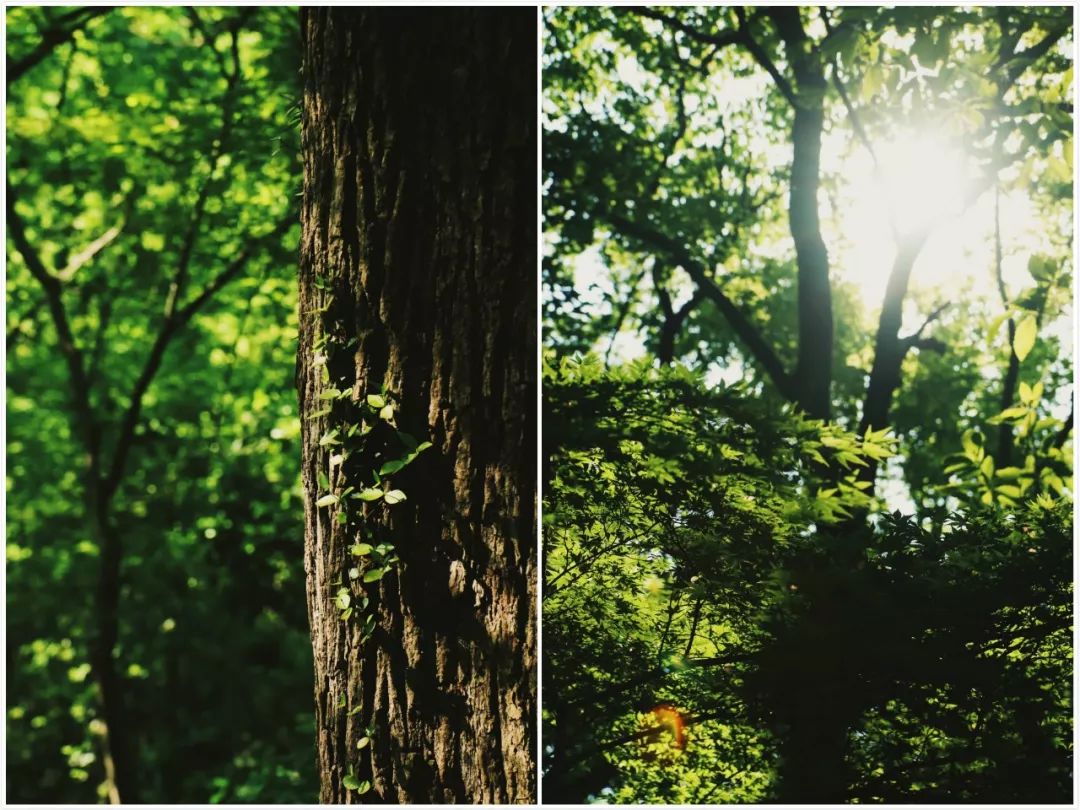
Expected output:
{"points": [[808, 404]]}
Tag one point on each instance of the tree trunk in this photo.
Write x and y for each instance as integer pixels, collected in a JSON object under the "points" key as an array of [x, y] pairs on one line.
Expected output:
{"points": [[118, 755], [417, 278], [813, 370], [889, 348]]}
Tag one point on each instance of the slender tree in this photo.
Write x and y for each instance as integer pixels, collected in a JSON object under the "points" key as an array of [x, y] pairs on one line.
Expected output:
{"points": [[417, 306], [107, 441]]}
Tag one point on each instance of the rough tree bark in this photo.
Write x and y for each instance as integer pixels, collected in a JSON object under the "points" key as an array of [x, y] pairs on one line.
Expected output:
{"points": [[419, 219]]}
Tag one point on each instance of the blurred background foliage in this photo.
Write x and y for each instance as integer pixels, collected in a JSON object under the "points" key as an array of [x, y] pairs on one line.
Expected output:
{"points": [[152, 199]]}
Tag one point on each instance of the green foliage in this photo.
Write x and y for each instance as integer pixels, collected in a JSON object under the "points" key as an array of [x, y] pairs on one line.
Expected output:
{"points": [[688, 565], [121, 129], [733, 611], [670, 515]]}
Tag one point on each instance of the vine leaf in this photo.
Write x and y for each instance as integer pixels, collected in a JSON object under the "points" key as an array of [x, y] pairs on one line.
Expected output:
{"points": [[391, 467], [1024, 341]]}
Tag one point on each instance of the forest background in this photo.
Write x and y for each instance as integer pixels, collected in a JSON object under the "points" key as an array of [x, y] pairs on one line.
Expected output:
{"points": [[201, 462], [153, 438], [808, 404]]}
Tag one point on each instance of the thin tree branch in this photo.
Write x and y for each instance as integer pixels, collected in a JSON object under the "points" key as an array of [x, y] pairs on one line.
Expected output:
{"points": [[87, 254], [915, 339], [622, 312], [169, 327], [217, 152], [659, 673], [716, 40], [762, 58], [51, 39], [51, 286], [740, 36], [744, 328], [1017, 63]]}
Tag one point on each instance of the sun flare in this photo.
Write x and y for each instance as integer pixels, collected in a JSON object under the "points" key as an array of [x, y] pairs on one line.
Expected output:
{"points": [[923, 182], [923, 178]]}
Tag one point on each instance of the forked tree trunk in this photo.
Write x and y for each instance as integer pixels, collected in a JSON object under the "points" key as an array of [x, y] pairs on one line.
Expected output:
{"points": [[417, 272]]}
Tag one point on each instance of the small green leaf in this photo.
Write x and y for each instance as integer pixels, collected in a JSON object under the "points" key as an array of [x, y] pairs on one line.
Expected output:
{"points": [[376, 401], [318, 413], [326, 500], [1024, 341], [386, 412], [369, 494], [391, 467], [329, 438], [374, 575], [394, 496], [346, 613], [343, 598], [353, 712], [362, 742], [351, 782], [360, 550], [330, 393], [354, 573], [1009, 415], [324, 482], [342, 518]]}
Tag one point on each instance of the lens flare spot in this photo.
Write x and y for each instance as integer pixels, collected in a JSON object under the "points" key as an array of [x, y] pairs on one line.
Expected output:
{"points": [[670, 718]]}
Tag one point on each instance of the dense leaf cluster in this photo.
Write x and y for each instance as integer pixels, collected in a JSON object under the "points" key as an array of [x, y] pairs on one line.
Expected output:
{"points": [[688, 565]]}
